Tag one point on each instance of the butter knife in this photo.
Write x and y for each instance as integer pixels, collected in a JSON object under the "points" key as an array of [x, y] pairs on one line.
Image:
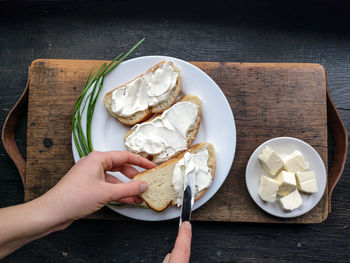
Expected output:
{"points": [[189, 189], [186, 209]]}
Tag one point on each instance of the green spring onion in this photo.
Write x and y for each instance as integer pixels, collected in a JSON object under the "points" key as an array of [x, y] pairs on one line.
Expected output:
{"points": [[87, 100]]}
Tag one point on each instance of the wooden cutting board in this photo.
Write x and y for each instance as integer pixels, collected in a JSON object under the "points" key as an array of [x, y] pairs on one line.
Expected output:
{"points": [[267, 100]]}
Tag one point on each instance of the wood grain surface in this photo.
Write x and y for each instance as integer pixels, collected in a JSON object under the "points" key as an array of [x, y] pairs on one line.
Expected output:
{"points": [[267, 100], [248, 31]]}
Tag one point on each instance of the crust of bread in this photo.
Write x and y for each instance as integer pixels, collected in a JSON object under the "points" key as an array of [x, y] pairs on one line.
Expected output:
{"points": [[191, 135], [146, 114], [162, 174]]}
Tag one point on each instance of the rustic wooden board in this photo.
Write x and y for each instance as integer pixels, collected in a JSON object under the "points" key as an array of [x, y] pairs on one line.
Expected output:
{"points": [[267, 100]]}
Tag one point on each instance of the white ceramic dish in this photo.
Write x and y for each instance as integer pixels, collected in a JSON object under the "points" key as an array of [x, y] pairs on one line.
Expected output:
{"points": [[108, 133], [284, 146]]}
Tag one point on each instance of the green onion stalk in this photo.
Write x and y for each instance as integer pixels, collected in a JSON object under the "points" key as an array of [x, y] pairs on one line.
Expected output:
{"points": [[87, 100]]}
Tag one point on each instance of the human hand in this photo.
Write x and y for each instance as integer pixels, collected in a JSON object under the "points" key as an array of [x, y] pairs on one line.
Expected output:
{"points": [[83, 190], [182, 249], [87, 187]]}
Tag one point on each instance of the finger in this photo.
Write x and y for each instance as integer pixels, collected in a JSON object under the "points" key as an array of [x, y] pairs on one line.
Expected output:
{"points": [[127, 200], [119, 191], [131, 200], [167, 258], [110, 160], [138, 200], [112, 179], [128, 170], [182, 248]]}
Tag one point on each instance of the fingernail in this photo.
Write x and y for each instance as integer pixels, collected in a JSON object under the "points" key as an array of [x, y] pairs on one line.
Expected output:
{"points": [[143, 188], [167, 258], [187, 225]]}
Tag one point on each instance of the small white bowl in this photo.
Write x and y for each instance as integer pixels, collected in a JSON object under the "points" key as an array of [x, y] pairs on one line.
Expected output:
{"points": [[284, 146]]}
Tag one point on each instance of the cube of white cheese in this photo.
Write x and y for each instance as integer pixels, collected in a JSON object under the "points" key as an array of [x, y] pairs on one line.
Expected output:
{"points": [[291, 201], [295, 162], [307, 182], [268, 189], [271, 162], [287, 183]]}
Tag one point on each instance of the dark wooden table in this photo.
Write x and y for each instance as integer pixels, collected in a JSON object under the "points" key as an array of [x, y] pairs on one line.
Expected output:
{"points": [[241, 31]]}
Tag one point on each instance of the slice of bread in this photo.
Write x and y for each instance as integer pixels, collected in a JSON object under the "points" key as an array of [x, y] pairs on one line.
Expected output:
{"points": [[158, 108], [191, 134], [160, 193]]}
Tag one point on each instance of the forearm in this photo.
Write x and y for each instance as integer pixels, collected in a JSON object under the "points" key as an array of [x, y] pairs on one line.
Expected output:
{"points": [[24, 223], [86, 188]]}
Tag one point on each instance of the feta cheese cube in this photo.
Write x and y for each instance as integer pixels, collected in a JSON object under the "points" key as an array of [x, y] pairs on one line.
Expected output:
{"points": [[287, 183], [271, 162], [307, 182], [268, 189], [291, 201], [295, 162]]}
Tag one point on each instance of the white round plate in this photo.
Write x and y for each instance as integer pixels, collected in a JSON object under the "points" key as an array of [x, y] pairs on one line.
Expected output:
{"points": [[217, 126], [284, 146]]}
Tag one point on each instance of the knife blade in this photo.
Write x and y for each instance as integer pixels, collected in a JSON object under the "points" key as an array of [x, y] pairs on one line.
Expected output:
{"points": [[186, 209], [189, 189]]}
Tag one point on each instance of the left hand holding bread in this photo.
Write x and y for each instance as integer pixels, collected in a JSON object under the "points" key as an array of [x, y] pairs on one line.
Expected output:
{"points": [[86, 188]]}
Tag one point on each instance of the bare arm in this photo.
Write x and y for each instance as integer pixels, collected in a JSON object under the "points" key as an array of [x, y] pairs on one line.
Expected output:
{"points": [[83, 190], [23, 223]]}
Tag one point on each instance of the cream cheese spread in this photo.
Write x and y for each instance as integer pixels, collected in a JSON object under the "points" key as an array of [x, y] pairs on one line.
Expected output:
{"points": [[147, 90], [195, 167], [164, 135]]}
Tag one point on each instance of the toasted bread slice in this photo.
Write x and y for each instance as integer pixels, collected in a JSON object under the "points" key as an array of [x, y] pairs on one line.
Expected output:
{"points": [[191, 134], [141, 116], [160, 193]]}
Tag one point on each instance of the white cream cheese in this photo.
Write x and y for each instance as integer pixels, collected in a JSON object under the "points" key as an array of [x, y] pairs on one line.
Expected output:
{"points": [[287, 183], [268, 189], [195, 166], [148, 90], [291, 201], [164, 135], [271, 162], [307, 182], [295, 162]]}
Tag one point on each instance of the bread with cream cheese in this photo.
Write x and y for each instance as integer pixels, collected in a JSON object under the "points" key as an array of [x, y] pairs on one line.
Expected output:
{"points": [[146, 114], [160, 193], [191, 134]]}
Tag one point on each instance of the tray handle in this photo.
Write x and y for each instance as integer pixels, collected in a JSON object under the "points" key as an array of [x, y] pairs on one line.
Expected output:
{"points": [[8, 132], [340, 146]]}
